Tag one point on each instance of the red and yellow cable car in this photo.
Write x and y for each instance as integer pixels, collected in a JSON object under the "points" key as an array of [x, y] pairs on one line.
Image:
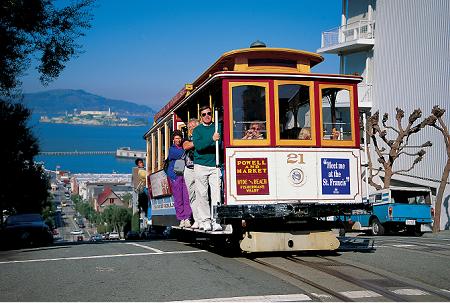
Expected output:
{"points": [[291, 147]]}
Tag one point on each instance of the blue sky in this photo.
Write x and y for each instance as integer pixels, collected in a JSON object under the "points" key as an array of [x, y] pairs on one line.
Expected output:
{"points": [[145, 51]]}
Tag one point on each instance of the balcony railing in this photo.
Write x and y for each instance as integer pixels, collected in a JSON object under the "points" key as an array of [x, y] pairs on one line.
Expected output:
{"points": [[365, 95], [362, 29]]}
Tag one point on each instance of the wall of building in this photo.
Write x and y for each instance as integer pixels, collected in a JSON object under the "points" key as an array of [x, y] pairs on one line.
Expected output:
{"points": [[412, 70], [358, 10], [355, 63]]}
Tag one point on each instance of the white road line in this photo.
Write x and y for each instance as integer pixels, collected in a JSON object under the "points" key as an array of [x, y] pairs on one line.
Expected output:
{"points": [[104, 256], [268, 298], [321, 296], [410, 292], [404, 245], [358, 294], [146, 247]]}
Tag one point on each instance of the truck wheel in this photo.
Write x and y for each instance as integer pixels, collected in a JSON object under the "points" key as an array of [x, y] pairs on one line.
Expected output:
{"points": [[376, 228]]}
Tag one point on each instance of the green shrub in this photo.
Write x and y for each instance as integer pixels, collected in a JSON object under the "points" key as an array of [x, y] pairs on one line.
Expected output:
{"points": [[135, 222]]}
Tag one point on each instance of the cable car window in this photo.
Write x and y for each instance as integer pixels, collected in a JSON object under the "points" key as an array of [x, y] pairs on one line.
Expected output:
{"points": [[336, 114], [294, 111], [249, 105]]}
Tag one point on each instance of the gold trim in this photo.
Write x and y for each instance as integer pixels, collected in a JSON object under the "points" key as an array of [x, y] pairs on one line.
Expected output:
{"points": [[241, 142], [297, 142], [153, 151], [159, 148], [337, 143]]}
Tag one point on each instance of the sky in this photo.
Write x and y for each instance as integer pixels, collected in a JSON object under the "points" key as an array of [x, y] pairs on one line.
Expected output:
{"points": [[144, 51]]}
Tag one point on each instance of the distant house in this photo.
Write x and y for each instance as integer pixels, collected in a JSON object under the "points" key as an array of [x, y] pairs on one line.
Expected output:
{"points": [[106, 198]]}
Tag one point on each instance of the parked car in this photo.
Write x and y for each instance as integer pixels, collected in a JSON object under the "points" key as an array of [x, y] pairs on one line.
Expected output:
{"points": [[96, 238], [76, 232], [132, 235], [24, 230], [114, 236]]}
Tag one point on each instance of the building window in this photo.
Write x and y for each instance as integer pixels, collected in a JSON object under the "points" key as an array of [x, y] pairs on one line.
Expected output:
{"points": [[111, 200]]}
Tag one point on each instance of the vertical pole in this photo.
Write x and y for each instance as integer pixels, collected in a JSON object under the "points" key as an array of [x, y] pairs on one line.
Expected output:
{"points": [[211, 106], [216, 128], [366, 169]]}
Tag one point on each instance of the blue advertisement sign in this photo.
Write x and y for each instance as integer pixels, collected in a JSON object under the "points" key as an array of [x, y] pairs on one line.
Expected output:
{"points": [[335, 176]]}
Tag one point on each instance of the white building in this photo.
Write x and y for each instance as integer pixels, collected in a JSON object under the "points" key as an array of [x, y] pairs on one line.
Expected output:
{"points": [[402, 50]]}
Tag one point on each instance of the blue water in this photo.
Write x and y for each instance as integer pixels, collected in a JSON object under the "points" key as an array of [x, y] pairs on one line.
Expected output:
{"points": [[65, 137]]}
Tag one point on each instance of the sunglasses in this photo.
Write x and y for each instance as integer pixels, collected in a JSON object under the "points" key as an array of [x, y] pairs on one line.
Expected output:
{"points": [[256, 128], [206, 114]]}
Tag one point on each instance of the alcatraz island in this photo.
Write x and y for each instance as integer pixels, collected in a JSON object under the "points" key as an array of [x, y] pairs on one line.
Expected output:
{"points": [[89, 117]]}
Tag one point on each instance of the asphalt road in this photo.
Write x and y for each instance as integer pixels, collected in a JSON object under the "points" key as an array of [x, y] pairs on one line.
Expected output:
{"points": [[401, 269]]}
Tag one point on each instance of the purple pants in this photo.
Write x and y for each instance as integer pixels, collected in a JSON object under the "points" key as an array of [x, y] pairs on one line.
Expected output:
{"points": [[181, 198]]}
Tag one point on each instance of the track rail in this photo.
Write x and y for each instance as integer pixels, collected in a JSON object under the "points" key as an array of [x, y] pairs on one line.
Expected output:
{"points": [[366, 285], [361, 283], [303, 280]]}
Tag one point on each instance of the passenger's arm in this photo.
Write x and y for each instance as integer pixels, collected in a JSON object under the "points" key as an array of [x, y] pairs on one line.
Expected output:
{"points": [[188, 145]]}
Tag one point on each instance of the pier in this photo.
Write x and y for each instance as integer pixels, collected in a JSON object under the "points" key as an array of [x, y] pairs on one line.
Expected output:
{"points": [[76, 153], [120, 153]]}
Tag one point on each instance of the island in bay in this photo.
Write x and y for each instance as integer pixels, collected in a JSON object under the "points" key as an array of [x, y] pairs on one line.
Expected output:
{"points": [[69, 106], [92, 117]]}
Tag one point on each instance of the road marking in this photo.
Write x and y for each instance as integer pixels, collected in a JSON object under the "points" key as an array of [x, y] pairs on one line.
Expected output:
{"points": [[101, 269], [404, 245], [446, 290], [410, 292], [321, 296], [358, 294], [146, 247], [104, 256], [268, 298]]}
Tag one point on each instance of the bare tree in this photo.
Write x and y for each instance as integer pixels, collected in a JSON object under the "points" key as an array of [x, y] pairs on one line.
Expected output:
{"points": [[389, 150], [437, 114]]}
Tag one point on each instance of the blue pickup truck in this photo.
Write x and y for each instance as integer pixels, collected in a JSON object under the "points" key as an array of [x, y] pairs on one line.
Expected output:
{"points": [[392, 210]]}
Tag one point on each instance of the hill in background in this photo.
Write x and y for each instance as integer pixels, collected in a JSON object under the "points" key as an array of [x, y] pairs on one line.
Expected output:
{"points": [[60, 101]]}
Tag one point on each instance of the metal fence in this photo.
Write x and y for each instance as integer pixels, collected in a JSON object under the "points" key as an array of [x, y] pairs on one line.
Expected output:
{"points": [[362, 29]]}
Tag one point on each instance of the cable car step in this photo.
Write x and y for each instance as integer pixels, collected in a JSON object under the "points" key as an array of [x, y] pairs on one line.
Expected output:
{"points": [[356, 244]]}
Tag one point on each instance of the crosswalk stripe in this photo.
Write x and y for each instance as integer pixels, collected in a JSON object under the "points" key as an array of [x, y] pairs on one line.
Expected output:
{"points": [[267, 298], [410, 292], [358, 294]]}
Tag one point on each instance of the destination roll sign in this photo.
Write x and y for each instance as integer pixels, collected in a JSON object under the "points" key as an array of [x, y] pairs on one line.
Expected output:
{"points": [[252, 177]]}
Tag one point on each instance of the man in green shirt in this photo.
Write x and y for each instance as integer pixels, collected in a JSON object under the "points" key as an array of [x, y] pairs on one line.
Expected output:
{"points": [[204, 138]]}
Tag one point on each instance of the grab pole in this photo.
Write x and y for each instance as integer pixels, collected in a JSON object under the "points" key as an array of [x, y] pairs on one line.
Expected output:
{"points": [[216, 129]]}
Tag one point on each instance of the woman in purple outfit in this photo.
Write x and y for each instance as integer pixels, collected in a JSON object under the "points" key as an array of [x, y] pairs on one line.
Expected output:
{"points": [[179, 189]]}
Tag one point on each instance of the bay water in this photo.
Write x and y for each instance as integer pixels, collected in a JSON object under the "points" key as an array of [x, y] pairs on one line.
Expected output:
{"points": [[67, 137]]}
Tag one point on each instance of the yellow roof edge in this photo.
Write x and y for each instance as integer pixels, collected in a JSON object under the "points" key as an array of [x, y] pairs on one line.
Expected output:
{"points": [[318, 58], [270, 49]]}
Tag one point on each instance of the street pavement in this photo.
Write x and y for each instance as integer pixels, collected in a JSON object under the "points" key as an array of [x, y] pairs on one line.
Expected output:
{"points": [[400, 269]]}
